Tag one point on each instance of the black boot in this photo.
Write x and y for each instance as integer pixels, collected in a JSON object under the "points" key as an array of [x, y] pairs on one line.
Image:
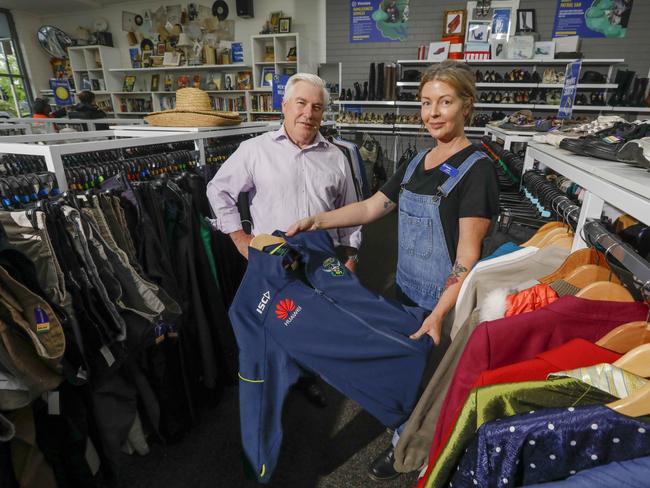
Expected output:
{"points": [[342, 97], [371, 82], [637, 95], [357, 91], [614, 100], [348, 95], [382, 468], [379, 91], [364, 95], [631, 98]]}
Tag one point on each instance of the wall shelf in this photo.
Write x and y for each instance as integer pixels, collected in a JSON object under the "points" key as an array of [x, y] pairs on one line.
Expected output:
{"points": [[514, 62], [225, 67]]}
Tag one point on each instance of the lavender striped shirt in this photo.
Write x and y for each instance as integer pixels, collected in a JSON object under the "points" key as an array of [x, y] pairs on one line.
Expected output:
{"points": [[286, 184]]}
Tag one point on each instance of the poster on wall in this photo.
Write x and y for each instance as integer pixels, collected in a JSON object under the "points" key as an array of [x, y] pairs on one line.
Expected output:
{"points": [[592, 18], [379, 20]]}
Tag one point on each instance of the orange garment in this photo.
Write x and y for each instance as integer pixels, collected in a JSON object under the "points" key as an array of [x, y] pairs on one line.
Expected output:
{"points": [[530, 299], [41, 116]]}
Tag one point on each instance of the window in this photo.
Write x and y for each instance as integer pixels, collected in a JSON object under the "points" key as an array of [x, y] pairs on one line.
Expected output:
{"points": [[15, 93]]}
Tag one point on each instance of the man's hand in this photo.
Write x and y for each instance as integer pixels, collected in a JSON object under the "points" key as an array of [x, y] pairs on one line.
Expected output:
{"points": [[302, 225], [241, 241], [432, 325]]}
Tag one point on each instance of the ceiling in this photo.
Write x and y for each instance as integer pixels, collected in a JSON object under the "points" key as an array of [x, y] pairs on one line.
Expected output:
{"points": [[48, 7]]}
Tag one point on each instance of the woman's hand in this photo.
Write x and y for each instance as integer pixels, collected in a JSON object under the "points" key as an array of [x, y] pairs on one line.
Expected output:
{"points": [[432, 326], [302, 225]]}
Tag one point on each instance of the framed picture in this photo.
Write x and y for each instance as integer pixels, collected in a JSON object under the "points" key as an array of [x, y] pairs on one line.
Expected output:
{"points": [[275, 21], [285, 25], [291, 54], [501, 23], [267, 76], [525, 20], [544, 50], [155, 82], [499, 48], [161, 47], [95, 84], [134, 55], [229, 81], [146, 59], [172, 59], [521, 47], [245, 80], [454, 23], [169, 82], [438, 51], [477, 32], [129, 83]]}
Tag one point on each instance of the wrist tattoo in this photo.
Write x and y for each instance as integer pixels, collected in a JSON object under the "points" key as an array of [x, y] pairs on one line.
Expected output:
{"points": [[388, 203], [454, 276]]}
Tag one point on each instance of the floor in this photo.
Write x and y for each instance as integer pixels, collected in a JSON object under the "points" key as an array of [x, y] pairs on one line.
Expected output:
{"points": [[324, 448]]}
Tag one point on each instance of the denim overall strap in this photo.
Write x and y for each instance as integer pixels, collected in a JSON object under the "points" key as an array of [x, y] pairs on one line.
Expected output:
{"points": [[452, 181], [424, 261], [412, 166]]}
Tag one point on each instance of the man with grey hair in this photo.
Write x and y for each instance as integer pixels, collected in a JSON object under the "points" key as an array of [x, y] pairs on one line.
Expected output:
{"points": [[290, 174]]}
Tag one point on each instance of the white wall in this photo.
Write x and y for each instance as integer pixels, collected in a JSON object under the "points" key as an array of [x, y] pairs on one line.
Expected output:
{"points": [[307, 19]]}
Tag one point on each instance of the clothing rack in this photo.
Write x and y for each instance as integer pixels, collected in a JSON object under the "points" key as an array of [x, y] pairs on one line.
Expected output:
{"points": [[597, 235]]}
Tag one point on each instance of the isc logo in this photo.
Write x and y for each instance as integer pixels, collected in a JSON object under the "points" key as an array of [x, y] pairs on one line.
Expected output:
{"points": [[263, 301]]}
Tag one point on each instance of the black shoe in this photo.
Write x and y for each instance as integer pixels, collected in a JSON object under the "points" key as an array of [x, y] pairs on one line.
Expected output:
{"points": [[312, 392], [382, 468]]}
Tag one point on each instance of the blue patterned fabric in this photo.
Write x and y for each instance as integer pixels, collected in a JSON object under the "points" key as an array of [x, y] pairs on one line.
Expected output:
{"points": [[634, 473], [549, 445]]}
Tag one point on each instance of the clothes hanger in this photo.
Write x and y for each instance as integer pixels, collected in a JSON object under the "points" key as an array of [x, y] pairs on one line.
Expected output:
{"points": [[626, 337], [557, 232], [261, 241], [563, 241], [635, 405], [576, 259], [636, 360], [605, 290], [587, 274]]}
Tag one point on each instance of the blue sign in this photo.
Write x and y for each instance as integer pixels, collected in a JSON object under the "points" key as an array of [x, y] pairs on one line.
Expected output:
{"points": [[592, 18], [61, 90], [279, 82], [571, 77], [379, 20]]}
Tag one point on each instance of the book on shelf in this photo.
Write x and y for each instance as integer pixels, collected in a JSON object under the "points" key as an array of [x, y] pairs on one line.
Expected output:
{"points": [[262, 103], [229, 103], [267, 76], [85, 82]]}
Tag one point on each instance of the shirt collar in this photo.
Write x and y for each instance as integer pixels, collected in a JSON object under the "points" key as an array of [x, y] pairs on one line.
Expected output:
{"points": [[319, 140]]}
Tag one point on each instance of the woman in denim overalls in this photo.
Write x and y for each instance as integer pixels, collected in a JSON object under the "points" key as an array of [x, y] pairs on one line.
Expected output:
{"points": [[426, 275]]}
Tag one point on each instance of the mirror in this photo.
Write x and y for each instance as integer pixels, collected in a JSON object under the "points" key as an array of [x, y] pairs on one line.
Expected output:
{"points": [[54, 41]]}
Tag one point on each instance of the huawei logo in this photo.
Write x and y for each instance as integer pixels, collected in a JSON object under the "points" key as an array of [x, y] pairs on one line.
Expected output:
{"points": [[284, 308]]}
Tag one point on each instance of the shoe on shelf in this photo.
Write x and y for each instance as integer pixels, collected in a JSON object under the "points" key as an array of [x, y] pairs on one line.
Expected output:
{"points": [[535, 78], [497, 77], [483, 98], [479, 76], [636, 151], [498, 97], [382, 468]]}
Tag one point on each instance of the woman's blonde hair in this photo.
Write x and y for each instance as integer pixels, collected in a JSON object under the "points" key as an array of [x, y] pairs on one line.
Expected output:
{"points": [[457, 75]]}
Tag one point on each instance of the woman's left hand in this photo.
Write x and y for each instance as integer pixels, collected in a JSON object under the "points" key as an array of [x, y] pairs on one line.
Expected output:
{"points": [[432, 325]]}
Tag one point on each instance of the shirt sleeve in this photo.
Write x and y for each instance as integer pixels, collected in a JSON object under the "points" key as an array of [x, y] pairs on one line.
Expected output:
{"points": [[347, 236], [233, 177], [479, 192], [392, 186]]}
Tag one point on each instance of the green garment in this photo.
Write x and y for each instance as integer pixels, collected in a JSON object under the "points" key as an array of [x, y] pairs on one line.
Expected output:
{"points": [[206, 237], [497, 401], [606, 377]]}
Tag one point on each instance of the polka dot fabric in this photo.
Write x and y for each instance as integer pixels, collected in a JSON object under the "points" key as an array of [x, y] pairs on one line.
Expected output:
{"points": [[550, 444]]}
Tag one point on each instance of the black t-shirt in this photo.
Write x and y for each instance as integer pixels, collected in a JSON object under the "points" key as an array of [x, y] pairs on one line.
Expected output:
{"points": [[475, 195]]}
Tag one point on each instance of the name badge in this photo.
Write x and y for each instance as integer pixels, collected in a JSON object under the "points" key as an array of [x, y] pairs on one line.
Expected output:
{"points": [[449, 170]]}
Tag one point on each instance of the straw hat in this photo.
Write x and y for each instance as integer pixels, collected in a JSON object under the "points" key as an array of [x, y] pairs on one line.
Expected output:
{"points": [[193, 109]]}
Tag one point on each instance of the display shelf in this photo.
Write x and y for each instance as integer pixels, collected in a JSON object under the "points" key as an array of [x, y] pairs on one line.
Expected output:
{"points": [[506, 105], [264, 63], [482, 84], [135, 93], [266, 113], [413, 84], [408, 104], [424, 62], [225, 67], [280, 45], [364, 126], [623, 186], [54, 146]]}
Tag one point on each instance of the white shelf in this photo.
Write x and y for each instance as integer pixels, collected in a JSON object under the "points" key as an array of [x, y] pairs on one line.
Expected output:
{"points": [[417, 62], [277, 112], [621, 185], [132, 113], [133, 93], [408, 104], [264, 63], [506, 105], [286, 62], [365, 126], [631, 109], [409, 126], [413, 84], [387, 103], [232, 66], [482, 84]]}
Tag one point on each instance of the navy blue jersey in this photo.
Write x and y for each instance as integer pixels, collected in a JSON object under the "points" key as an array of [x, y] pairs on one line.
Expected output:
{"points": [[320, 318]]}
